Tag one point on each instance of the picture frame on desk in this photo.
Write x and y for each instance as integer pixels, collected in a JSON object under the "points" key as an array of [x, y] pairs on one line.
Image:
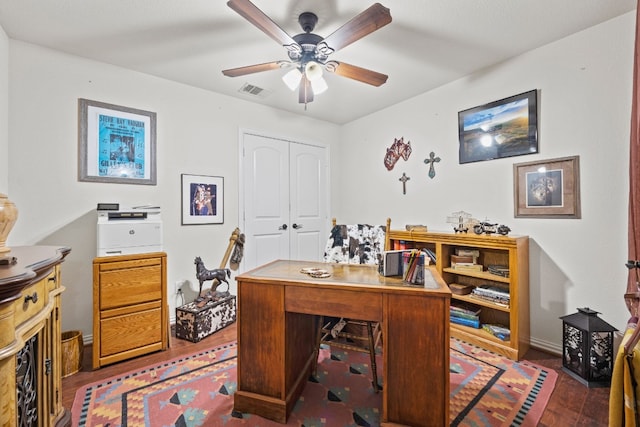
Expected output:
{"points": [[116, 144], [504, 128], [202, 199], [547, 188]]}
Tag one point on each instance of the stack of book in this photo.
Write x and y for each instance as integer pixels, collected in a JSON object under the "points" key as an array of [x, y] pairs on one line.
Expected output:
{"points": [[500, 270], [464, 315], [413, 271], [473, 253], [491, 293], [466, 259], [498, 331]]}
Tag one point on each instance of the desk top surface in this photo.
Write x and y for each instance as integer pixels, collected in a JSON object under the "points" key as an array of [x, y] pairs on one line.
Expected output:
{"points": [[289, 272]]}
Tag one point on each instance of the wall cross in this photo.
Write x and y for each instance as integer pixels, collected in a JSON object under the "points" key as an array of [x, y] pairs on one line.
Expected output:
{"points": [[431, 162], [404, 178]]}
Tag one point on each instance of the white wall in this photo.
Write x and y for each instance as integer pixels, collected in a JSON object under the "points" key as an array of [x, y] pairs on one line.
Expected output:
{"points": [[4, 107], [197, 133], [584, 84]]}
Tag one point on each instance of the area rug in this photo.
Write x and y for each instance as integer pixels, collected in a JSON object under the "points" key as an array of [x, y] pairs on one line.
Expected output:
{"points": [[197, 390]]}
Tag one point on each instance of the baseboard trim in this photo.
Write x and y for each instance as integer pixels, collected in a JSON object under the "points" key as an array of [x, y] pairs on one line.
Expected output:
{"points": [[546, 346]]}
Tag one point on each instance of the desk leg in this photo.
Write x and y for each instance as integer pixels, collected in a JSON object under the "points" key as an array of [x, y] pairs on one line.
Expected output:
{"points": [[275, 350], [416, 360]]}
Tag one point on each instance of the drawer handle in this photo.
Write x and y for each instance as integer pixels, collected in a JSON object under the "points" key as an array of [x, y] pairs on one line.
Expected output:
{"points": [[33, 298]]}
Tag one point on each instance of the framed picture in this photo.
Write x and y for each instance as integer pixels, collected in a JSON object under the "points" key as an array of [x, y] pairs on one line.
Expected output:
{"points": [[504, 128], [116, 144], [547, 189], [202, 199]]}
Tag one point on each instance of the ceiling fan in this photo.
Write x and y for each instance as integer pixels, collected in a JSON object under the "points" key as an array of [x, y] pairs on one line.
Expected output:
{"points": [[309, 53]]}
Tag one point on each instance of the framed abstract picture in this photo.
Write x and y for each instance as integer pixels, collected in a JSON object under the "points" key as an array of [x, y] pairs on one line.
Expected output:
{"points": [[202, 199], [504, 128], [116, 144], [547, 188]]}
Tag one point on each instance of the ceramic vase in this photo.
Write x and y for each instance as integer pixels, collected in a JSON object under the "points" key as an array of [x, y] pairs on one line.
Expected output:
{"points": [[8, 217]]}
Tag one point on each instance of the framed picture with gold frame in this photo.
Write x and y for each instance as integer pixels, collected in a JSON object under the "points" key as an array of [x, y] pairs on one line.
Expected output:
{"points": [[547, 188]]}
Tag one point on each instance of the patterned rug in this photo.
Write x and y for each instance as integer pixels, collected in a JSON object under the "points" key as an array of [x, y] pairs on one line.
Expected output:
{"points": [[197, 390]]}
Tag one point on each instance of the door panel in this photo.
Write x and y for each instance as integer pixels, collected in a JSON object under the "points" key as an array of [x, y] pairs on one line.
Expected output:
{"points": [[266, 195], [309, 213], [286, 199]]}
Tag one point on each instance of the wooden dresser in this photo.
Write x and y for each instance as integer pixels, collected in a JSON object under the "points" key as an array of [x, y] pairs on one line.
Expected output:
{"points": [[129, 306], [30, 338]]}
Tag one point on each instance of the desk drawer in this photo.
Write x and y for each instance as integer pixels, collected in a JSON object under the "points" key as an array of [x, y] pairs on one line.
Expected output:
{"points": [[334, 302]]}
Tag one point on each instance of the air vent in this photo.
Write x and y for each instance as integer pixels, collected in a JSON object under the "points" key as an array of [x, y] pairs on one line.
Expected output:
{"points": [[253, 90]]}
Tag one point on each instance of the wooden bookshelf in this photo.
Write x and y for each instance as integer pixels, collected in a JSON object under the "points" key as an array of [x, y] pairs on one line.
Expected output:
{"points": [[511, 251]]}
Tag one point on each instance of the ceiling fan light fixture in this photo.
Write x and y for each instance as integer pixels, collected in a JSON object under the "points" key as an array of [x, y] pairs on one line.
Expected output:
{"points": [[319, 86], [292, 79], [313, 70]]}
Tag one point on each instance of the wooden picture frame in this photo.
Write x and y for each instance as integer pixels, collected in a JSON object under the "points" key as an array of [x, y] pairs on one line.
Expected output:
{"points": [[504, 128], [547, 188], [202, 199], [116, 144]]}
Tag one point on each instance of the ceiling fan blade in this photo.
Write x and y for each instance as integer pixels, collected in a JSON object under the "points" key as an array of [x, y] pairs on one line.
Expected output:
{"points": [[305, 93], [375, 17], [357, 73], [257, 68], [251, 13]]}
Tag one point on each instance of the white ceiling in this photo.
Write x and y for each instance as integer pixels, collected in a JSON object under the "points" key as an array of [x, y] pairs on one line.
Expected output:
{"points": [[428, 43]]}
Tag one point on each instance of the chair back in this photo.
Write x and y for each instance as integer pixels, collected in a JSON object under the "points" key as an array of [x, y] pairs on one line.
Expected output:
{"points": [[356, 244]]}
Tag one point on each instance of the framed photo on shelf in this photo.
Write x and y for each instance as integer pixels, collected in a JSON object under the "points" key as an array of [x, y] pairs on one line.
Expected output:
{"points": [[202, 199], [116, 144], [504, 128], [547, 188]]}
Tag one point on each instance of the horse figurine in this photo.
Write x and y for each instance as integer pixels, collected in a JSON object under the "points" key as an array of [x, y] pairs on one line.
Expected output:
{"points": [[202, 274]]}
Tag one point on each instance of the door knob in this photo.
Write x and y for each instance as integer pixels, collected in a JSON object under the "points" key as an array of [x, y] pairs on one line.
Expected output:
{"points": [[282, 227], [296, 226]]}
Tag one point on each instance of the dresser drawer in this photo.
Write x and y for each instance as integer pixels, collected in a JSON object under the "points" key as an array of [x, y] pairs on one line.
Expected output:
{"points": [[130, 286], [33, 299]]}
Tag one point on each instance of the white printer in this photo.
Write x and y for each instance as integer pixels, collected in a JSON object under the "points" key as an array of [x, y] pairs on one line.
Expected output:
{"points": [[128, 231]]}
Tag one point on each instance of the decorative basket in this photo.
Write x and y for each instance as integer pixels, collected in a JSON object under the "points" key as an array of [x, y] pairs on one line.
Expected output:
{"points": [[72, 352]]}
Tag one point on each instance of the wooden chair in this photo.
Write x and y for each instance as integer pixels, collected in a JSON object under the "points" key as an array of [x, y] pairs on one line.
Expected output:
{"points": [[353, 334]]}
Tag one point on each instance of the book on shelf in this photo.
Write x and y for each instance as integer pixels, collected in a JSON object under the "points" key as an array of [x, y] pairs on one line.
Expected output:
{"points": [[500, 270], [431, 254], [400, 245], [460, 289], [467, 266], [464, 313], [474, 323], [467, 259], [492, 291], [416, 227], [474, 253], [493, 294], [498, 331]]}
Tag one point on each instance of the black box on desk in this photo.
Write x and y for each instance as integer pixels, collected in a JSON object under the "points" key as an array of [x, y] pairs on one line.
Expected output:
{"points": [[194, 323]]}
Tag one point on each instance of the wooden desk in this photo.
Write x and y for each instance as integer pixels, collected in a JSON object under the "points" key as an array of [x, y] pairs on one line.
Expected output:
{"points": [[277, 305]]}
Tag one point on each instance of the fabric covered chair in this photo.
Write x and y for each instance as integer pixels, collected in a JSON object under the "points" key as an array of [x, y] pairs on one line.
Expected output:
{"points": [[354, 244]]}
